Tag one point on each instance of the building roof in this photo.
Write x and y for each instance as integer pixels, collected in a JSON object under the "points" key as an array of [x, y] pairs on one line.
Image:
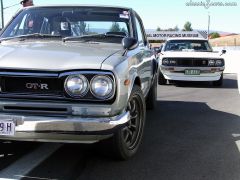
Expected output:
{"points": [[186, 38]]}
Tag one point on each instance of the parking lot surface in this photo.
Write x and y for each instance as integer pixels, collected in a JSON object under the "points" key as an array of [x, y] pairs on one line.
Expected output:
{"points": [[194, 133]]}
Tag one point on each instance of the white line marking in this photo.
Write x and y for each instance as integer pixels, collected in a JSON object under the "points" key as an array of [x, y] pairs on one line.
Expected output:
{"points": [[38, 178], [236, 135], [27, 163], [238, 144]]}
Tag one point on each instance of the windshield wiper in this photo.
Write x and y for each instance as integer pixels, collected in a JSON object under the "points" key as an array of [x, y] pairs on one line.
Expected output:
{"points": [[85, 37], [34, 35]]}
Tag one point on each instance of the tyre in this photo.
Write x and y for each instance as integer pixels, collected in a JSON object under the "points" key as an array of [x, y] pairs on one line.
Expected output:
{"points": [[152, 96], [161, 79], [126, 141], [219, 82], [1, 147]]}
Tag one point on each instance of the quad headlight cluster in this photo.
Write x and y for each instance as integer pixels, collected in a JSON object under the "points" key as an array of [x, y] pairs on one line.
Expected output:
{"points": [[211, 62], [100, 86], [215, 62]]}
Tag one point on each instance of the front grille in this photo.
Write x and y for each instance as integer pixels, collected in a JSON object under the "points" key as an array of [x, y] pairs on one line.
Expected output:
{"points": [[191, 62], [31, 85], [186, 62]]}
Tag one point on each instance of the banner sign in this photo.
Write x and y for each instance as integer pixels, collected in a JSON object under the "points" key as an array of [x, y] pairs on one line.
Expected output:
{"points": [[164, 35]]}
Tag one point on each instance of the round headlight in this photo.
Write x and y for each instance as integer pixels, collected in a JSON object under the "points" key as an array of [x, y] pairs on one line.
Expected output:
{"points": [[211, 62], [76, 85], [219, 63], [172, 62], [165, 62], [102, 87]]}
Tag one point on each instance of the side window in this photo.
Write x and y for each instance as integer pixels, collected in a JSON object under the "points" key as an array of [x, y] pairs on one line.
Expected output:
{"points": [[19, 28], [45, 29], [139, 32]]}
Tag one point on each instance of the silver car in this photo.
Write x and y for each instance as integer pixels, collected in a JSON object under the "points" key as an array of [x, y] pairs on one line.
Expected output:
{"points": [[78, 74]]}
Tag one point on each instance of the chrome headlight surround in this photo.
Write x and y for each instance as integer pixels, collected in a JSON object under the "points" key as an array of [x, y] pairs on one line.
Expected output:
{"points": [[165, 62], [102, 87], [76, 85], [219, 62], [172, 62], [211, 62]]}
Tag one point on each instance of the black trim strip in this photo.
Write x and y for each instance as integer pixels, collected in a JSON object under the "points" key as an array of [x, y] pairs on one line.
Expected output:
{"points": [[102, 132]]}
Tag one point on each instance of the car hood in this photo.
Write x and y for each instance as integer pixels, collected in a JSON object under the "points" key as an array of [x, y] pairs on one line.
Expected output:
{"points": [[183, 54], [55, 56]]}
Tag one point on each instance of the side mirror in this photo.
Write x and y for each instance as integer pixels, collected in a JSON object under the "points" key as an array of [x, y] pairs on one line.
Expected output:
{"points": [[159, 50], [224, 51], [129, 43]]}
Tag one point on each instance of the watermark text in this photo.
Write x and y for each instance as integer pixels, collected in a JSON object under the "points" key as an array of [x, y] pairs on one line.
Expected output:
{"points": [[209, 3]]}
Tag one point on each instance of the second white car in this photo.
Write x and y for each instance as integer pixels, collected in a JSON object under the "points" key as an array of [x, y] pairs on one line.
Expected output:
{"points": [[190, 59]]}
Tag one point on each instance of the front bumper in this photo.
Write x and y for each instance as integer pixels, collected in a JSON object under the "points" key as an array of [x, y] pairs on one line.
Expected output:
{"points": [[71, 129], [177, 73]]}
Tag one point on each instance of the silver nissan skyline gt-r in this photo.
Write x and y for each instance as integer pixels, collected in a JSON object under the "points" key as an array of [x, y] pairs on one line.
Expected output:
{"points": [[79, 74]]}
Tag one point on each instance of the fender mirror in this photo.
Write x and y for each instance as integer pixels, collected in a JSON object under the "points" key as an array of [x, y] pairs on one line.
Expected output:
{"points": [[129, 43], [223, 52]]}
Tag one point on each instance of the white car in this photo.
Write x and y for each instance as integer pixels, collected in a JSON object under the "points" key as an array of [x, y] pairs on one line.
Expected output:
{"points": [[190, 59]]}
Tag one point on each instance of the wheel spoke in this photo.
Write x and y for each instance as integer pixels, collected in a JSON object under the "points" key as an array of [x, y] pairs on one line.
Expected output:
{"points": [[130, 134], [130, 122], [126, 137], [132, 129], [133, 106], [134, 116], [125, 128]]}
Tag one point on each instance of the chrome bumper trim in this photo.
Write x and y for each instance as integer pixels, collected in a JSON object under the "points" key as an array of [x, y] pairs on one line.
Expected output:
{"points": [[63, 129]]}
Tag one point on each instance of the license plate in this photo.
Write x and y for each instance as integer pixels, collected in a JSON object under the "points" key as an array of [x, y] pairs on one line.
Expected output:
{"points": [[7, 128], [192, 72]]}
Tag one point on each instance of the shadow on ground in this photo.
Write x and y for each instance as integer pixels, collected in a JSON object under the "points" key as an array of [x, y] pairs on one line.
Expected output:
{"points": [[182, 140], [227, 84], [12, 151]]}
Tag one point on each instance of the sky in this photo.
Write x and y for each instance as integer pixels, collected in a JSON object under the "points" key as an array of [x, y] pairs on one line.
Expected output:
{"points": [[163, 13]]}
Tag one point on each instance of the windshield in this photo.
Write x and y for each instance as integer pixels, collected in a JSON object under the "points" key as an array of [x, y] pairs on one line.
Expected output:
{"points": [[187, 45], [69, 22]]}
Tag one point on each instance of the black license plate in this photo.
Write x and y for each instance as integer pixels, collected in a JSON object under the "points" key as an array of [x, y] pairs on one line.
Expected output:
{"points": [[192, 72]]}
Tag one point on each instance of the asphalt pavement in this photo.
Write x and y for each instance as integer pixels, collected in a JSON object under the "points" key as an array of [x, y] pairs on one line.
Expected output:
{"points": [[194, 133]]}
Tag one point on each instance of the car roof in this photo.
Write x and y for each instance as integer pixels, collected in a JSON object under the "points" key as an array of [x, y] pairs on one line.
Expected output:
{"points": [[82, 5]]}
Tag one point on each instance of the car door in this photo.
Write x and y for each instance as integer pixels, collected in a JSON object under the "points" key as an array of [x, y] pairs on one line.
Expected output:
{"points": [[145, 57]]}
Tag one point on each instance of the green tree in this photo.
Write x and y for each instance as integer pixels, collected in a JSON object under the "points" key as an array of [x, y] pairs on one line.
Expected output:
{"points": [[169, 29], [82, 27], [115, 27], [214, 35], [158, 29], [176, 28], [187, 26], [123, 30]]}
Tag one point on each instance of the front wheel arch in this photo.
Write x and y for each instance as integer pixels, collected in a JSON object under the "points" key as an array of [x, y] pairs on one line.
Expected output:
{"points": [[122, 146], [135, 81]]}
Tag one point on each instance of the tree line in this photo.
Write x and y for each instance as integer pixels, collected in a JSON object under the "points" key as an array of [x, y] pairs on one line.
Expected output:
{"points": [[116, 28], [188, 27]]}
